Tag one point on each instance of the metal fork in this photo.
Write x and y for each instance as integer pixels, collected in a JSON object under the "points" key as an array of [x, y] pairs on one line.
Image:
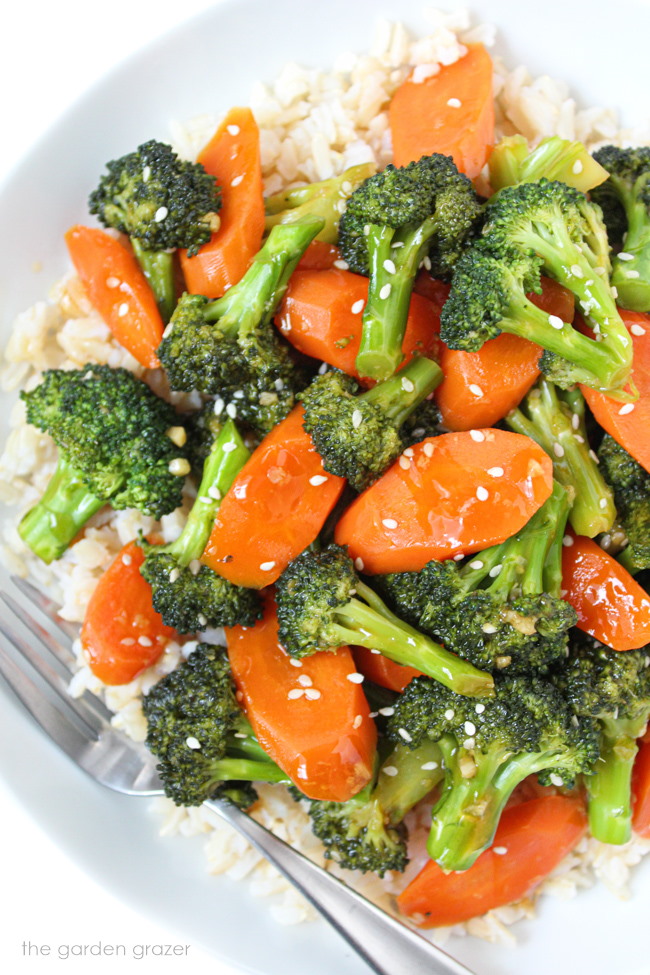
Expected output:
{"points": [[37, 662]]}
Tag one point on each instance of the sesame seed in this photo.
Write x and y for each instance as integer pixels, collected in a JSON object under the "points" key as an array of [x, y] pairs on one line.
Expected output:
{"points": [[578, 438], [192, 742], [177, 435], [267, 566], [389, 266], [358, 721], [112, 282], [482, 493], [469, 743], [428, 450], [637, 329], [567, 541], [358, 307], [625, 409], [577, 167], [341, 265], [556, 779], [305, 680], [576, 271], [237, 180], [128, 641], [203, 620], [174, 575], [232, 129], [144, 641], [389, 770], [555, 321], [489, 628], [594, 456], [146, 173], [403, 733], [126, 559], [558, 450], [219, 406], [355, 678], [624, 256], [194, 567], [479, 708], [429, 766], [229, 447], [495, 571], [385, 291], [407, 385], [614, 291], [495, 471], [359, 564], [500, 850], [389, 523], [603, 503], [404, 463], [295, 663], [179, 466], [470, 729], [123, 309], [475, 389], [454, 102], [357, 419], [459, 557], [426, 261], [632, 274], [449, 714], [477, 436], [239, 734], [386, 712], [476, 564], [295, 693], [231, 410], [160, 214], [375, 651], [214, 493]]}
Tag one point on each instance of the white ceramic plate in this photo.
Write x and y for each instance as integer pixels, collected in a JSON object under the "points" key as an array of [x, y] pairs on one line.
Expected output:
{"points": [[216, 57]]}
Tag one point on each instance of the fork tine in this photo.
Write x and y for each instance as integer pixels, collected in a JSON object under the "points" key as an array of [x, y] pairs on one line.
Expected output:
{"points": [[73, 708], [47, 606]]}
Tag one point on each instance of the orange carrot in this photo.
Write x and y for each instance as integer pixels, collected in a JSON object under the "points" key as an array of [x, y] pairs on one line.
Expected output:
{"points": [[319, 256], [451, 112], [480, 388], [629, 423], [383, 671], [119, 291], [321, 735], [122, 634], [460, 493], [532, 838], [275, 508], [610, 603], [641, 790], [233, 156], [321, 316]]}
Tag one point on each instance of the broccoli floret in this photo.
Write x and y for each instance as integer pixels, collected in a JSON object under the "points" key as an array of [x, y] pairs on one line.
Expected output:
{"points": [[488, 750], [325, 199], [203, 428], [614, 689], [162, 203], [222, 345], [631, 484], [114, 448], [262, 404], [502, 608], [393, 221], [367, 832], [199, 734], [530, 228], [190, 596], [358, 437], [625, 200], [512, 162], [555, 419], [323, 604]]}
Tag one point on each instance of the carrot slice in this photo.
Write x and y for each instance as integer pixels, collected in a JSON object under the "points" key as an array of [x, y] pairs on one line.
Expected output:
{"points": [[480, 388], [629, 423], [610, 603], [531, 839], [641, 791], [122, 633], [383, 671], [275, 508], [233, 156], [321, 316], [119, 291], [319, 256], [321, 735], [460, 493], [451, 112]]}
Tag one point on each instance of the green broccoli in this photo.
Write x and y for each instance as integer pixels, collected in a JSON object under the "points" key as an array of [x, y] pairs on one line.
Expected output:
{"points": [[204, 743], [394, 221], [190, 596], [358, 437], [512, 162], [625, 199], [614, 689], [502, 608], [555, 419], [162, 203], [631, 484], [115, 447], [323, 604], [325, 199], [529, 229], [221, 346], [367, 832], [488, 750]]}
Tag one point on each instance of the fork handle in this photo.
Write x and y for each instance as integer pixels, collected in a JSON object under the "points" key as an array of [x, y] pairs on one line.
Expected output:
{"points": [[388, 946]]}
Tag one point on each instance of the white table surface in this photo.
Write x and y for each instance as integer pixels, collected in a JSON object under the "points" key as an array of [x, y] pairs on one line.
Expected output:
{"points": [[51, 51]]}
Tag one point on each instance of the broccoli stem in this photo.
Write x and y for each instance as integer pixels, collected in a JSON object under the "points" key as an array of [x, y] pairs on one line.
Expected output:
{"points": [[554, 158], [398, 396], [158, 269], [556, 421], [394, 258], [419, 770], [632, 277], [626, 559], [610, 786], [371, 624], [50, 526], [246, 770], [222, 465]]}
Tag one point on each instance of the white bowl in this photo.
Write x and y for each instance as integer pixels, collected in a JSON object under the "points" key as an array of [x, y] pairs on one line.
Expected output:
{"points": [[215, 58]]}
